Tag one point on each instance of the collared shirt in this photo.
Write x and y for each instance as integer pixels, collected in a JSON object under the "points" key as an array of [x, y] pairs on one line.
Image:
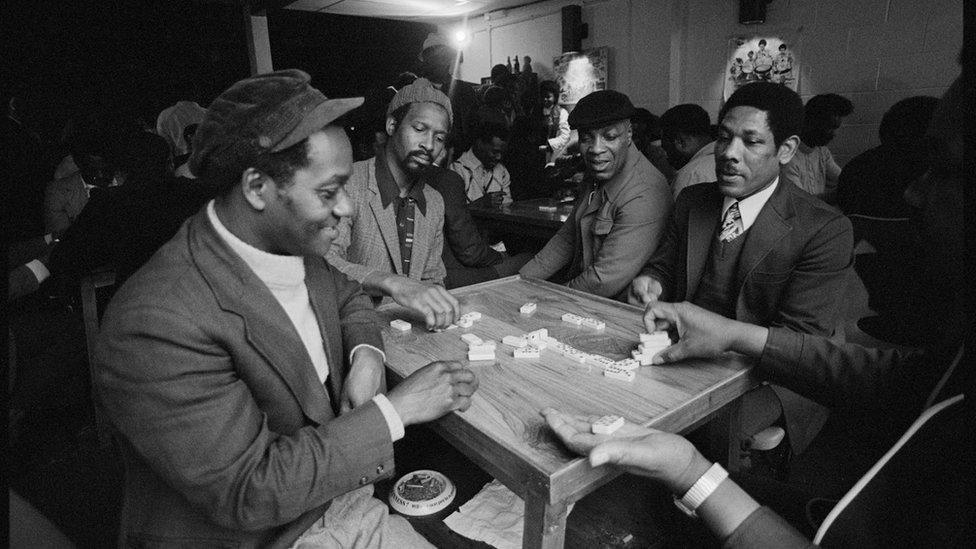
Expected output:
{"points": [[479, 181], [404, 207], [700, 169], [285, 278], [749, 207]]}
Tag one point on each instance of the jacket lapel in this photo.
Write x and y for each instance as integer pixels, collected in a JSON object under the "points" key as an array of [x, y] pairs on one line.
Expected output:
{"points": [[267, 327], [702, 221], [385, 222], [326, 313], [770, 227]]}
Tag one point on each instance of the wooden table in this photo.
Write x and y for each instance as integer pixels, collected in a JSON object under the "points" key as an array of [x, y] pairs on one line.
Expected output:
{"points": [[523, 218], [503, 432]]}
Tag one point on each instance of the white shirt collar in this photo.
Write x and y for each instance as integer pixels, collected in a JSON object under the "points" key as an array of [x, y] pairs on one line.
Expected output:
{"points": [[280, 271], [750, 207]]}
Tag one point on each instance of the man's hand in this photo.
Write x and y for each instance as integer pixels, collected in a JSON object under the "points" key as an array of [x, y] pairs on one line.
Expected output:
{"points": [[432, 391], [701, 333], [438, 307], [665, 457], [643, 290], [364, 380]]}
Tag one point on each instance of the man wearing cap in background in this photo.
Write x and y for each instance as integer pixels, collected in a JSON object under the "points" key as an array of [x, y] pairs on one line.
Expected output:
{"points": [[751, 248], [242, 372], [439, 62], [391, 242], [618, 221]]}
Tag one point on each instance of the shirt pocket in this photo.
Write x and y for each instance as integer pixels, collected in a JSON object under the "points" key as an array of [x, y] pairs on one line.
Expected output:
{"points": [[602, 226]]}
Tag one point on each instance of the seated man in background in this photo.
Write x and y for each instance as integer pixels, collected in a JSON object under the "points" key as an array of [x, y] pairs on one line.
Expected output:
{"points": [[65, 198], [391, 241], [243, 373], [813, 168], [753, 248], [621, 216], [484, 176], [686, 135]]}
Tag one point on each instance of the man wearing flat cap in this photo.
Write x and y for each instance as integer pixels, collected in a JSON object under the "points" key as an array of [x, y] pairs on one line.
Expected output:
{"points": [[618, 221], [242, 372], [392, 239]]}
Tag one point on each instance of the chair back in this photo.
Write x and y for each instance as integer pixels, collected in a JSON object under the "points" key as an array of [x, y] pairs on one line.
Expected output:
{"points": [[89, 285]]}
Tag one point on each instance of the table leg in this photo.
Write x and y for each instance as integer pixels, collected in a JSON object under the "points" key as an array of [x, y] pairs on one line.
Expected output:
{"points": [[723, 435], [545, 523]]}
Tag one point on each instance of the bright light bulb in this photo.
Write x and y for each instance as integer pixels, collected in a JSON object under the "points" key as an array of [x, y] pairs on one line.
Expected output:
{"points": [[460, 36]]}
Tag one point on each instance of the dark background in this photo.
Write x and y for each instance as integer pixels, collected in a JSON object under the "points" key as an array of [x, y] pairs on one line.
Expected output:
{"points": [[71, 57]]}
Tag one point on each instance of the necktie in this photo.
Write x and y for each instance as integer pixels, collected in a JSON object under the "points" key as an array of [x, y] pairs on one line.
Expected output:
{"points": [[731, 224]]}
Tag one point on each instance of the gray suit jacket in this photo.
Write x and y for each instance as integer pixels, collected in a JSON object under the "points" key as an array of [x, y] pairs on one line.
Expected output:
{"points": [[228, 437], [606, 241], [368, 240]]}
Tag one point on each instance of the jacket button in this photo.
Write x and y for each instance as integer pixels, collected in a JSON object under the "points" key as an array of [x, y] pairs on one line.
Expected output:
{"points": [[379, 469], [363, 481]]}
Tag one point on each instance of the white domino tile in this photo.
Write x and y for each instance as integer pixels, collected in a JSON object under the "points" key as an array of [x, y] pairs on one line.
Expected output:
{"points": [[527, 309], [514, 341], [401, 325], [607, 425], [617, 373], [526, 352]]}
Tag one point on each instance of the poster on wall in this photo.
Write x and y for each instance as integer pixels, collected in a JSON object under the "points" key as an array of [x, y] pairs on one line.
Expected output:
{"points": [[760, 59], [580, 73]]}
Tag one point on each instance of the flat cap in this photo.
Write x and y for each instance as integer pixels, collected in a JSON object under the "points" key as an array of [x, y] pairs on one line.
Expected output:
{"points": [[599, 109], [420, 91], [270, 111]]}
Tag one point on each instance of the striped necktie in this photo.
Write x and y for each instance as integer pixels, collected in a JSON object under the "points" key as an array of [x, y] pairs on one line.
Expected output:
{"points": [[731, 224]]}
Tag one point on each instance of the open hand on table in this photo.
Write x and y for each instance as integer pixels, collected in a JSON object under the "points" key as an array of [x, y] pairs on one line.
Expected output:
{"points": [[665, 457]]}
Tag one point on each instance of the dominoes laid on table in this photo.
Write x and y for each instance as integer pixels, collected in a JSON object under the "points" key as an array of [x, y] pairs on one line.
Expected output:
{"points": [[616, 373], [514, 341], [528, 351], [400, 325], [527, 309], [607, 425]]}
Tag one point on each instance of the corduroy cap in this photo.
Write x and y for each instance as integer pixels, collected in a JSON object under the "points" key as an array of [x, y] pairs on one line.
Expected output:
{"points": [[420, 91], [599, 109], [270, 111]]}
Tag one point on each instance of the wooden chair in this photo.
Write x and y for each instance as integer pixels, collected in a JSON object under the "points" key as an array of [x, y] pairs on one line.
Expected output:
{"points": [[88, 285]]}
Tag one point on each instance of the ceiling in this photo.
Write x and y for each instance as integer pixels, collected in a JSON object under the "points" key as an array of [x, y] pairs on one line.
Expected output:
{"points": [[410, 10]]}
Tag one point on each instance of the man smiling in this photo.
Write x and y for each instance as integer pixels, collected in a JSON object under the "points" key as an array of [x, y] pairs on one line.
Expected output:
{"points": [[753, 249], [243, 373], [617, 223]]}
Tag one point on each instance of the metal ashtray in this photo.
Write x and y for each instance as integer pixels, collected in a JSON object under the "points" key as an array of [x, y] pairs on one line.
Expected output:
{"points": [[422, 492]]}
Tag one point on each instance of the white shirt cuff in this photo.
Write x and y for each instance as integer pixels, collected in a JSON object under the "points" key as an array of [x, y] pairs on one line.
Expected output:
{"points": [[368, 346], [393, 420], [41, 273]]}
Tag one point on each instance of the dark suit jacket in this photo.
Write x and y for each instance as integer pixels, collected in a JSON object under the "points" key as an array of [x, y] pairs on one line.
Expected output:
{"points": [[229, 438], [465, 244], [792, 272]]}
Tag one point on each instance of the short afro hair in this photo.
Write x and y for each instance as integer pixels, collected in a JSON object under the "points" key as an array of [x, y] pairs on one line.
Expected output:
{"points": [[689, 119], [783, 107]]}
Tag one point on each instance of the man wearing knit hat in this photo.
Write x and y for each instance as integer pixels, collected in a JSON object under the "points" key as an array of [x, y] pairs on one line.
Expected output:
{"points": [[244, 374], [617, 223], [392, 239]]}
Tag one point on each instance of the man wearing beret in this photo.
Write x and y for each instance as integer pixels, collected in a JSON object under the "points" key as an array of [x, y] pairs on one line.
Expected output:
{"points": [[618, 221], [242, 372], [753, 249], [392, 239]]}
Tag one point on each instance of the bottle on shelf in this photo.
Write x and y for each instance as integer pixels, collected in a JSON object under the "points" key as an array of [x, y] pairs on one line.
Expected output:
{"points": [[517, 68], [509, 65]]}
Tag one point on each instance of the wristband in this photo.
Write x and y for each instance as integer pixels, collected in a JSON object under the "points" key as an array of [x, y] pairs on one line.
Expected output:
{"points": [[700, 490]]}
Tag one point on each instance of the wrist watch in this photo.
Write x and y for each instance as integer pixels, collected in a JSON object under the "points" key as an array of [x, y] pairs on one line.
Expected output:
{"points": [[700, 490]]}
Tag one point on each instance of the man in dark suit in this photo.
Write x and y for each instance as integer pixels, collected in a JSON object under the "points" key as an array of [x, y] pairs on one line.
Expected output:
{"points": [[753, 249], [243, 373]]}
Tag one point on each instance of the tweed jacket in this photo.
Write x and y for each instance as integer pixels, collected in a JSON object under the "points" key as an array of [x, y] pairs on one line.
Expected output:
{"points": [[368, 240], [228, 437], [608, 239], [793, 271]]}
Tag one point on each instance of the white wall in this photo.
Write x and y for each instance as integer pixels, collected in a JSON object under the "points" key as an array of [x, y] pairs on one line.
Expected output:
{"points": [[665, 52]]}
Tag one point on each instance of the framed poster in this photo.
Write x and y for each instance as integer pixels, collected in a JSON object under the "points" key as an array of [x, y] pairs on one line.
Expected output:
{"points": [[760, 59], [580, 73]]}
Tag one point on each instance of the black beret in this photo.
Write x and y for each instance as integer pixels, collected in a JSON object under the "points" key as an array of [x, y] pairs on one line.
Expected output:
{"points": [[599, 109]]}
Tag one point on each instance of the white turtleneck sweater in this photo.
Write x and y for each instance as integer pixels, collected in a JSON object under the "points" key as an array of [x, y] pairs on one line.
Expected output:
{"points": [[284, 275]]}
